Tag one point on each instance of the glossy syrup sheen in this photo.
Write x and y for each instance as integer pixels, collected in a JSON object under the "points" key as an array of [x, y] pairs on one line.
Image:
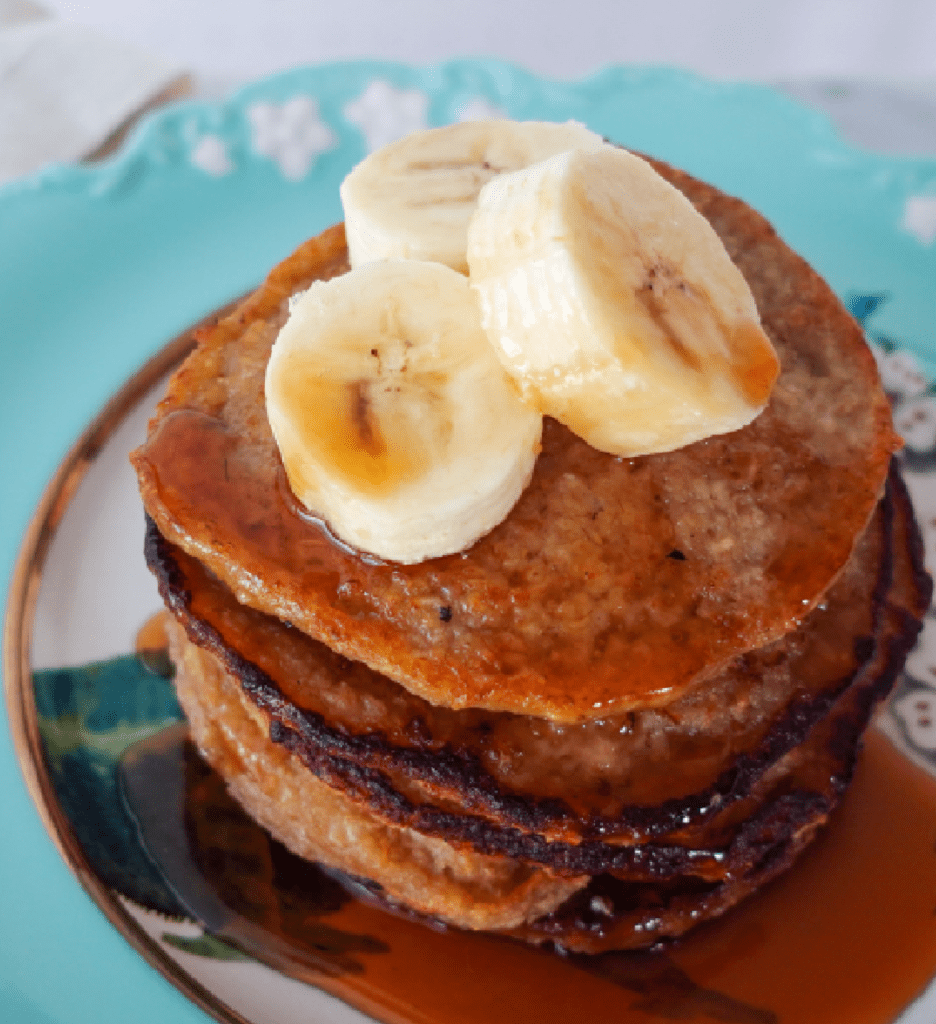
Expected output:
{"points": [[341, 422], [848, 936]]}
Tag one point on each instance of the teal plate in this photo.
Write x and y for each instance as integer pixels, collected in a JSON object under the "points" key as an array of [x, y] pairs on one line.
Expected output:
{"points": [[100, 265]]}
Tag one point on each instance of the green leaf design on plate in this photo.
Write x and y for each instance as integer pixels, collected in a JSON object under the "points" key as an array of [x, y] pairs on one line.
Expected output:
{"points": [[157, 825], [205, 945], [88, 716]]}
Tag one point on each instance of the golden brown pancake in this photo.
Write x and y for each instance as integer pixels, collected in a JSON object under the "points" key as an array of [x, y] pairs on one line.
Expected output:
{"points": [[633, 904], [614, 913], [626, 707], [614, 584], [623, 779]]}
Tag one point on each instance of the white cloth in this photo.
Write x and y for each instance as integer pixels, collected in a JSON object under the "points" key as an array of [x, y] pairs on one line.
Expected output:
{"points": [[891, 41], [65, 89]]}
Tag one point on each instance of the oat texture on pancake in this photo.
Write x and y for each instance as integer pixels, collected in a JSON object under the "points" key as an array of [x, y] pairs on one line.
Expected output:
{"points": [[624, 708], [614, 584], [357, 804]]}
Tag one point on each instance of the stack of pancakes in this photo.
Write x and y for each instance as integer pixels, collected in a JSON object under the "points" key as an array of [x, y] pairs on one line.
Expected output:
{"points": [[630, 704]]}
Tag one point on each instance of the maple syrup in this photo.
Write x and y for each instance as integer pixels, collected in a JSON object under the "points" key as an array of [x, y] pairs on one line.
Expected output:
{"points": [[151, 645], [847, 936]]}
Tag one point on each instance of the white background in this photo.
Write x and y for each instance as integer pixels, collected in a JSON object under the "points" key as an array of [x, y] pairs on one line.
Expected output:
{"points": [[236, 40]]}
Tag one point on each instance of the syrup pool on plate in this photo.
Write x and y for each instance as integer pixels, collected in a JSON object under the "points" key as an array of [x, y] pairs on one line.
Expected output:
{"points": [[847, 936]]}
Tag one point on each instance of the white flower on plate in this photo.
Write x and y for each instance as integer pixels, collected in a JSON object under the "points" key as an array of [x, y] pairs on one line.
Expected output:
{"points": [[900, 373], [292, 134], [915, 421], [919, 218], [916, 711], [384, 113], [479, 108], [921, 664], [210, 154]]}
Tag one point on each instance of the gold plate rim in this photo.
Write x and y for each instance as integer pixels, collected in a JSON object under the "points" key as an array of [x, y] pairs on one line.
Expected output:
{"points": [[18, 623]]}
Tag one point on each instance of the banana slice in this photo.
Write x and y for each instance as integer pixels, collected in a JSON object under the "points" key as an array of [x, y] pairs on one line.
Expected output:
{"points": [[614, 305], [413, 199], [396, 423]]}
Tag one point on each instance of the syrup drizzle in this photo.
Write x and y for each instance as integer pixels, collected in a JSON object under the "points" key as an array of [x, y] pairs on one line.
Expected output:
{"points": [[151, 645], [848, 936]]}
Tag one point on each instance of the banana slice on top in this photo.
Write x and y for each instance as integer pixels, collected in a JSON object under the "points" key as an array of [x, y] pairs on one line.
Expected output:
{"points": [[615, 306], [395, 421], [413, 199]]}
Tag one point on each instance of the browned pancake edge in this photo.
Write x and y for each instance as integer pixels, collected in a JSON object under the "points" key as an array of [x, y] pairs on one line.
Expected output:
{"points": [[613, 584]]}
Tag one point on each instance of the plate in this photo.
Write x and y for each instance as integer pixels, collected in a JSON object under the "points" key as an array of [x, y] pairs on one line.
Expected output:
{"points": [[100, 265]]}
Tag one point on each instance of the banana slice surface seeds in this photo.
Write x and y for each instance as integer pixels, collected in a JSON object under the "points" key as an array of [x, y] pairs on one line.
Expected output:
{"points": [[396, 423], [615, 306]]}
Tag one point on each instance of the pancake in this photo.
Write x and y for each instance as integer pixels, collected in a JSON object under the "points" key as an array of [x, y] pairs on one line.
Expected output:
{"points": [[320, 823], [659, 895], [611, 913], [630, 704], [623, 779], [614, 584]]}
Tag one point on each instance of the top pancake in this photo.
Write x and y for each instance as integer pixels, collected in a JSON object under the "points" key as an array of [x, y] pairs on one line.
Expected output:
{"points": [[614, 584]]}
